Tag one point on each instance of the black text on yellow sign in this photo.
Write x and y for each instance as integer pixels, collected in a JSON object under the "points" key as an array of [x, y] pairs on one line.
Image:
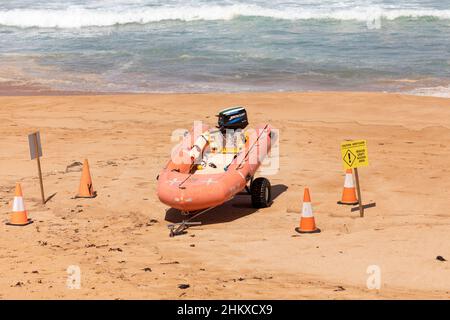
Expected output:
{"points": [[354, 154]]}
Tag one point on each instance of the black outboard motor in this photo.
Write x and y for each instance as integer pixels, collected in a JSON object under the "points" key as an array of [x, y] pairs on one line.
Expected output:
{"points": [[232, 118]]}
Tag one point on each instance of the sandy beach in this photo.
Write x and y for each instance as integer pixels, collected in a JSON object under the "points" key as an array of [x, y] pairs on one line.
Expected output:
{"points": [[120, 239]]}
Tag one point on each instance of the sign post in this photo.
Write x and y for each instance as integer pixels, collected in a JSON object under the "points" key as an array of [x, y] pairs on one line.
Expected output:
{"points": [[34, 140], [354, 155], [358, 190]]}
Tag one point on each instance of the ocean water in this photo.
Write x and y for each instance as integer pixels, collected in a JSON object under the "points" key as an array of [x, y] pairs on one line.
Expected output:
{"points": [[227, 45]]}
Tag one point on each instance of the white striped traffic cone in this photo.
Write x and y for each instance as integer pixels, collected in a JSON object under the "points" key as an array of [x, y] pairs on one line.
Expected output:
{"points": [[19, 214], [349, 192], [307, 221]]}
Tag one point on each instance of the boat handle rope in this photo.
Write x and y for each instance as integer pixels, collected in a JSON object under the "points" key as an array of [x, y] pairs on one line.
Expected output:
{"points": [[246, 155]]}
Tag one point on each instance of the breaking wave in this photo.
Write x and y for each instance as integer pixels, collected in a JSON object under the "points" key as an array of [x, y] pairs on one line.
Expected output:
{"points": [[78, 17], [440, 91]]}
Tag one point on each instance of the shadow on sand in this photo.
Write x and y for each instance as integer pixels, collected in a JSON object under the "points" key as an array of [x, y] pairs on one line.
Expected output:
{"points": [[240, 206]]}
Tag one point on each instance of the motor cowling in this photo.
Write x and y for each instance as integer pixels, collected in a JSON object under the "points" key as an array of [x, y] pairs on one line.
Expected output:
{"points": [[232, 118]]}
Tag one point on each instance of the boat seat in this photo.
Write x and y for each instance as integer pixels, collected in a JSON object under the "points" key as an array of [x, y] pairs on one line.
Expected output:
{"points": [[219, 160]]}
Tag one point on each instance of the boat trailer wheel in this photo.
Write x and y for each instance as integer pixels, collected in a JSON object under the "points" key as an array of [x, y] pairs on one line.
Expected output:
{"points": [[261, 193]]}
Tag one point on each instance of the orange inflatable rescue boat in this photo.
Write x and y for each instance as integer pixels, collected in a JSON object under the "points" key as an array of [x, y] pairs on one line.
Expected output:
{"points": [[211, 165]]}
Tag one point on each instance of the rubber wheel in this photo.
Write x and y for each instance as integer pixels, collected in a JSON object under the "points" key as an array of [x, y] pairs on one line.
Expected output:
{"points": [[261, 193]]}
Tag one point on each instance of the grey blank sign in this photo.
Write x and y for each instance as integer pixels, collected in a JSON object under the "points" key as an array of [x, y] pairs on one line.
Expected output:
{"points": [[32, 138]]}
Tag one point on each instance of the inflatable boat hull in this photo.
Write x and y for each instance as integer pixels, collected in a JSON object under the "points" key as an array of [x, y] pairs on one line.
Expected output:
{"points": [[180, 189]]}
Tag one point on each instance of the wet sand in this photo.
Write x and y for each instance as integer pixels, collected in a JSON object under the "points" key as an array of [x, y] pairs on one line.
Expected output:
{"points": [[120, 239]]}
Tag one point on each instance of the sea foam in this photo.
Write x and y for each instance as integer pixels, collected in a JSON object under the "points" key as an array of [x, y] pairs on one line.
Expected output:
{"points": [[78, 17], [439, 91]]}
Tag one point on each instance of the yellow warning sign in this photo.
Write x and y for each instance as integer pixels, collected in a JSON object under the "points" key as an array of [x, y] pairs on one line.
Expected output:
{"points": [[354, 154]]}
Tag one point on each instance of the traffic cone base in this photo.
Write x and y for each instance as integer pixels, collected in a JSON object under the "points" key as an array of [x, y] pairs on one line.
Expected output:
{"points": [[94, 194], [348, 203], [29, 221], [86, 190], [301, 231]]}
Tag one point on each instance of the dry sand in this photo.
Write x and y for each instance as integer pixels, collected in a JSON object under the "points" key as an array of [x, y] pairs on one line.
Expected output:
{"points": [[238, 252]]}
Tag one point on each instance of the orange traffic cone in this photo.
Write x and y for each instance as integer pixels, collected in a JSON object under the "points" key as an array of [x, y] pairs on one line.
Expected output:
{"points": [[307, 221], [19, 214], [86, 189], [349, 192]]}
